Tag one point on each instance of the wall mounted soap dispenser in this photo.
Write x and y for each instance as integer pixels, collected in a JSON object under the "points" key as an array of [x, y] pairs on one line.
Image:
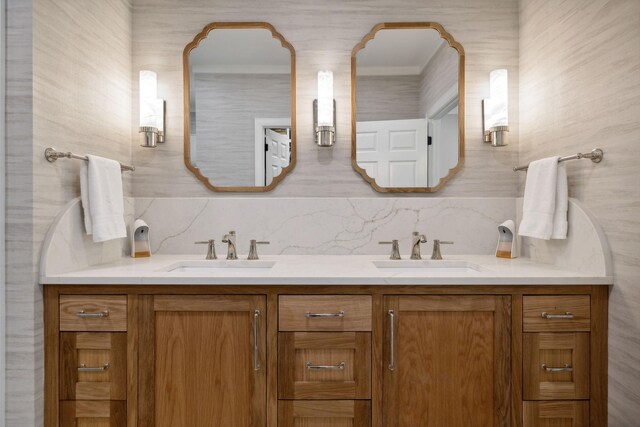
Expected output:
{"points": [[140, 246], [507, 240]]}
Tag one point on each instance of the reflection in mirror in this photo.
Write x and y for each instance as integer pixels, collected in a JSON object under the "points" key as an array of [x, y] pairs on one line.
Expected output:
{"points": [[409, 92], [239, 132]]}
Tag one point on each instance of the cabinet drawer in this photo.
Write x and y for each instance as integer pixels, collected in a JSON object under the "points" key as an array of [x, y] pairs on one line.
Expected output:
{"points": [[93, 366], [88, 413], [325, 413], [556, 366], [550, 414], [325, 313], [93, 313], [324, 365], [551, 313]]}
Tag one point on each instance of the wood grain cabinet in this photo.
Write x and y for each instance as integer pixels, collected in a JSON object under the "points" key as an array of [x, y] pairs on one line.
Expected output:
{"points": [[447, 361], [325, 356], [202, 361]]}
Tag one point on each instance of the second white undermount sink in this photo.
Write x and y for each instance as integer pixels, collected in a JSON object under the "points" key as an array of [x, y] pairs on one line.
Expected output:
{"points": [[212, 266], [444, 266]]}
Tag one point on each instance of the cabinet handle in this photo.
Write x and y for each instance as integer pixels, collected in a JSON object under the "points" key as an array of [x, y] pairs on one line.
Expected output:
{"points": [[84, 315], [256, 344], [566, 315], [392, 356], [309, 315], [565, 368], [83, 368], [338, 366]]}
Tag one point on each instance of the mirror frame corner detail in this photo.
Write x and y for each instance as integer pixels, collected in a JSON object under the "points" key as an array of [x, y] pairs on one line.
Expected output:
{"points": [[461, 104], [187, 109]]}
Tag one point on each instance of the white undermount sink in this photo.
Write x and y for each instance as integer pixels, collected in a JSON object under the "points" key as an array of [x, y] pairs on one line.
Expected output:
{"points": [[435, 266], [212, 266]]}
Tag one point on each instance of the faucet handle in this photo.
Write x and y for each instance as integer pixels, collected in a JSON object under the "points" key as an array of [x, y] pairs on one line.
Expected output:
{"points": [[253, 249], [395, 248], [436, 254], [211, 248]]}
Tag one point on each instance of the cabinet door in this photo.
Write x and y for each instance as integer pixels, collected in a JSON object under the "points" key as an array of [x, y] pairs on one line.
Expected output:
{"points": [[202, 361], [447, 361]]}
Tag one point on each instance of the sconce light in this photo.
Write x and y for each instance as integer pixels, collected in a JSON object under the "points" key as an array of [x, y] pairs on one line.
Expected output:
{"points": [[152, 110], [495, 110], [324, 111]]}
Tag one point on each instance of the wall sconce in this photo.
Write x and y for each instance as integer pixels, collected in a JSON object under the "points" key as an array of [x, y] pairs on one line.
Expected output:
{"points": [[152, 111], [495, 110], [324, 111]]}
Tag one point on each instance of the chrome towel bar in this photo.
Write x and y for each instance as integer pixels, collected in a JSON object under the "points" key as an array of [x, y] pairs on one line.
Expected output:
{"points": [[595, 156], [52, 155]]}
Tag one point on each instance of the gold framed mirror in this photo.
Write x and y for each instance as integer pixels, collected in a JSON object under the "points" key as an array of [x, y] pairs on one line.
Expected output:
{"points": [[407, 107], [239, 106]]}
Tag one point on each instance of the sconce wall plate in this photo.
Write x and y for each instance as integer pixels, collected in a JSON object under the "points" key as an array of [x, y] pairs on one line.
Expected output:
{"points": [[324, 136]]}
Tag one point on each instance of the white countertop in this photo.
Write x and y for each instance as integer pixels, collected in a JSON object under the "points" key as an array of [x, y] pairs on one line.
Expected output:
{"points": [[325, 270]]}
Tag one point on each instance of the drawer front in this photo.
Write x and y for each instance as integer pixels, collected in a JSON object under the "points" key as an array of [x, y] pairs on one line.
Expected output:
{"points": [[93, 313], [556, 414], [325, 313], [554, 313], [324, 413], [93, 366], [556, 366], [87, 413], [324, 365]]}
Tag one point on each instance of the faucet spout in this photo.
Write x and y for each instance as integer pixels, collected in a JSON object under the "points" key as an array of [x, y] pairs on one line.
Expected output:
{"points": [[230, 239], [417, 238]]}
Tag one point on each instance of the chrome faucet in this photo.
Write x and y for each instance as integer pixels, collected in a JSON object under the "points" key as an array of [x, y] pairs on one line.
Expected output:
{"points": [[416, 239], [253, 248], [436, 248], [211, 248], [395, 249], [230, 239]]}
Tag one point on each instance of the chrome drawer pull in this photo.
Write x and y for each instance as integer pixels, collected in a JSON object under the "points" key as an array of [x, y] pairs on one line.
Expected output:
{"points": [[392, 355], [338, 366], [309, 315], [566, 315], [565, 368], [83, 368], [84, 315], [256, 344]]}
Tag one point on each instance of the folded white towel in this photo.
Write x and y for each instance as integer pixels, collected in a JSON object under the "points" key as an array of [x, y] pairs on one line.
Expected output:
{"points": [[540, 199], [102, 199], [560, 222]]}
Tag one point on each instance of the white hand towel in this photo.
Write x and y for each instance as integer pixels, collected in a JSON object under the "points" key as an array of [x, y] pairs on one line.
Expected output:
{"points": [[84, 196], [560, 223], [540, 199], [106, 199]]}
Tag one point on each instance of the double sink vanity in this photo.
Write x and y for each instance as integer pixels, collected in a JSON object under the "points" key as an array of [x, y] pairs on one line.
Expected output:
{"points": [[330, 340]]}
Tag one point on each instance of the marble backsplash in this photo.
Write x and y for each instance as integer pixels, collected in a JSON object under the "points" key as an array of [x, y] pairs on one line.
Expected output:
{"points": [[323, 225]]}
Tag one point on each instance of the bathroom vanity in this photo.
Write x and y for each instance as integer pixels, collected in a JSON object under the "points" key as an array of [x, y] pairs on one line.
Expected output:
{"points": [[340, 340]]}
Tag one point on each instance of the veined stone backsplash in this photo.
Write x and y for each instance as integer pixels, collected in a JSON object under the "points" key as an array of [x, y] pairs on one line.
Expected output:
{"points": [[324, 225]]}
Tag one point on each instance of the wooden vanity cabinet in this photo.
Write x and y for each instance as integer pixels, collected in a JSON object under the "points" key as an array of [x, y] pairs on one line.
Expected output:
{"points": [[325, 356], [447, 361]]}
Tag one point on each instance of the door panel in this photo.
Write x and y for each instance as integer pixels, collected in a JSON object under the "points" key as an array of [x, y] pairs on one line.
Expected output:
{"points": [[393, 152], [278, 156], [324, 413], [199, 363], [447, 361], [556, 414]]}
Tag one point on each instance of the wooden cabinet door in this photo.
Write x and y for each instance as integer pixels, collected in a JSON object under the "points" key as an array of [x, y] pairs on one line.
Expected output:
{"points": [[324, 413], [202, 361], [447, 361]]}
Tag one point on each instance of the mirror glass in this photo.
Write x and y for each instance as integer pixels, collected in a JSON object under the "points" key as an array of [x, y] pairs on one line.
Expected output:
{"points": [[408, 108], [239, 131]]}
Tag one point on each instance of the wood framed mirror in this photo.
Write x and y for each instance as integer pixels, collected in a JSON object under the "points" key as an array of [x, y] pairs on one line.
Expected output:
{"points": [[407, 107], [239, 106]]}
